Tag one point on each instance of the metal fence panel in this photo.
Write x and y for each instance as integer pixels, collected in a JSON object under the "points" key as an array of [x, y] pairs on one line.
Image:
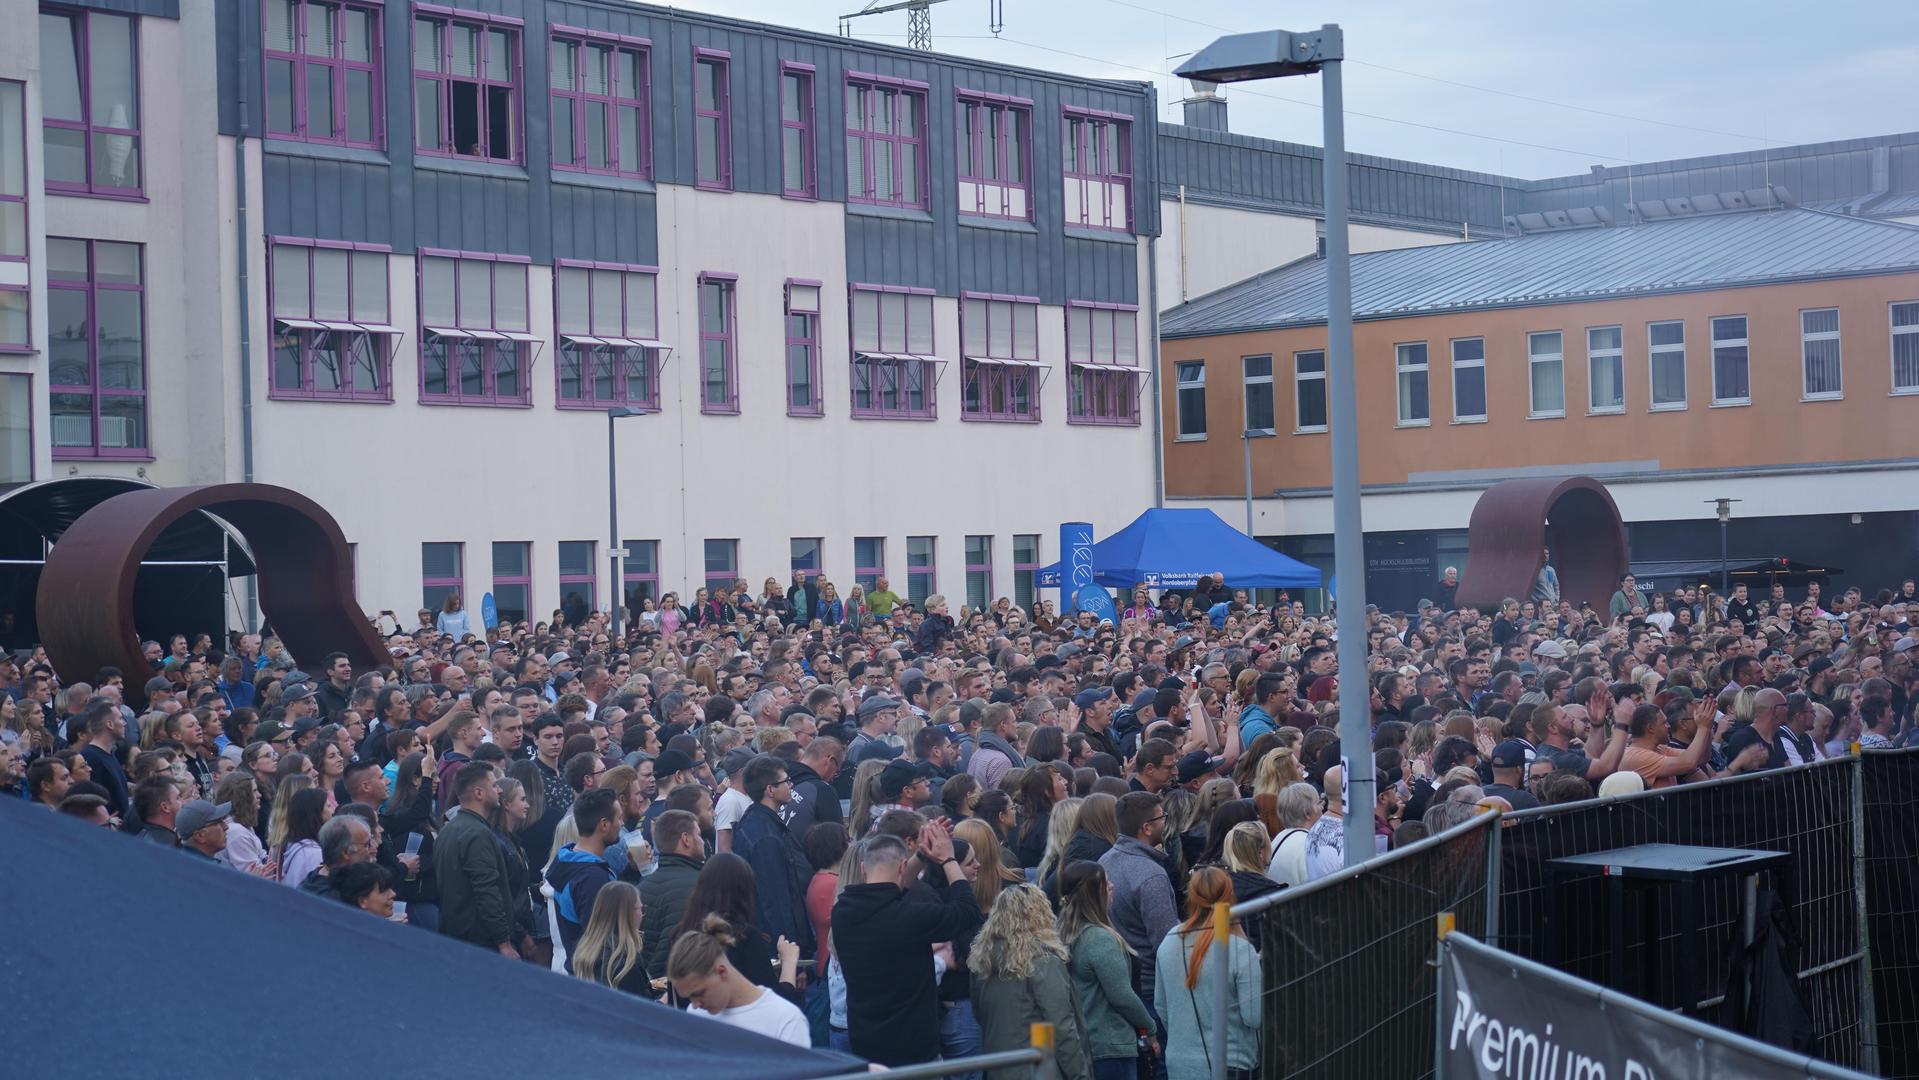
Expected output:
{"points": [[1891, 801], [1348, 961]]}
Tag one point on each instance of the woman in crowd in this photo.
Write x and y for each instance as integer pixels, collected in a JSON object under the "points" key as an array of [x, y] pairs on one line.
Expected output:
{"points": [[512, 814], [1039, 789], [609, 949], [298, 851], [244, 849], [1095, 831], [1183, 982], [1059, 831], [994, 875], [1101, 963], [452, 619], [725, 889], [1021, 978], [958, 797], [702, 972]]}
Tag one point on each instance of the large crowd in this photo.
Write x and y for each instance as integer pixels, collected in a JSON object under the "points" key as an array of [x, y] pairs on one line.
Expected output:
{"points": [[908, 833]]}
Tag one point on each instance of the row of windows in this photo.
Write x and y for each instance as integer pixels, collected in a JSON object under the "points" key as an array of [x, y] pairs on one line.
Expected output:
{"points": [[333, 340], [1821, 372], [443, 570]]}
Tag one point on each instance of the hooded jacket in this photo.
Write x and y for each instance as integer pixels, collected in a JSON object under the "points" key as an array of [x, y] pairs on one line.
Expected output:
{"points": [[884, 940], [781, 872], [813, 801], [576, 877]]}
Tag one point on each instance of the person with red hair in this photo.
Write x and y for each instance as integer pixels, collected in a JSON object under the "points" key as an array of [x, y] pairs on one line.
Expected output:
{"points": [[1183, 996]]}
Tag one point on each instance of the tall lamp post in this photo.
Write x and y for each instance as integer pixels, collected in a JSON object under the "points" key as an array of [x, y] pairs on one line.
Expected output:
{"points": [[614, 550], [1246, 437], [1279, 54], [1723, 508]]}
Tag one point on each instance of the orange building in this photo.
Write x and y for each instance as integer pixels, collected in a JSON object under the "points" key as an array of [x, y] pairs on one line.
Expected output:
{"points": [[1769, 355]]}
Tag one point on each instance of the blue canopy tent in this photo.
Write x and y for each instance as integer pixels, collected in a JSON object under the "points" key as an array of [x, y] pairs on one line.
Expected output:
{"points": [[1170, 549]]}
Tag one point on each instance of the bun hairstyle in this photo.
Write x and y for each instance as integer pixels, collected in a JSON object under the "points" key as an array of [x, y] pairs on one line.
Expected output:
{"points": [[698, 952]]}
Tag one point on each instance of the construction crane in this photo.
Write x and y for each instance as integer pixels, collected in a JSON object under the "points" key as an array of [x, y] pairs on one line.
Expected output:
{"points": [[919, 18]]}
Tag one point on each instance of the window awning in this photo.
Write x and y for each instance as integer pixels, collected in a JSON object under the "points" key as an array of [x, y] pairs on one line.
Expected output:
{"points": [[1134, 368], [301, 324], [343, 327], [381, 328], [901, 357], [481, 335], [1008, 362], [581, 339], [649, 343], [520, 336]]}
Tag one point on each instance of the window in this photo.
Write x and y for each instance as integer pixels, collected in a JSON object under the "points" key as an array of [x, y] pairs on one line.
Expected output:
{"points": [[806, 554], [1730, 385], [1025, 565], [577, 592], [599, 95], [90, 101], [1410, 360], [14, 329], [999, 336], [513, 581], [803, 348], [608, 318], [922, 568], [979, 571], [1309, 389], [995, 145], [96, 349], [1605, 370], [1905, 347], [719, 363], [1190, 378], [722, 563], [894, 373], [16, 428], [641, 571], [1547, 372], [1469, 380], [442, 574], [474, 340], [885, 130], [869, 561], [1819, 353], [323, 62], [1667, 341], [331, 340], [799, 165], [1102, 361], [466, 84], [712, 119], [1259, 392], [1098, 169]]}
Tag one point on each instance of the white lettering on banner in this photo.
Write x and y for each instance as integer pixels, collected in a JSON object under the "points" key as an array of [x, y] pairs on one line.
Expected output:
{"points": [[1518, 1054]]}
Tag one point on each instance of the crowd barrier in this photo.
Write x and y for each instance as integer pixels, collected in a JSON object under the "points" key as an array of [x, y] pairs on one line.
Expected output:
{"points": [[1347, 960]]}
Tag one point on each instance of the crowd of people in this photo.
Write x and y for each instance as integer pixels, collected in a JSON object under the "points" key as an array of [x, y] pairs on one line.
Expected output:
{"points": [[880, 826]]}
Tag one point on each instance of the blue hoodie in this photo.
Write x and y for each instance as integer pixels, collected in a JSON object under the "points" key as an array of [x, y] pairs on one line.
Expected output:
{"points": [[576, 877]]}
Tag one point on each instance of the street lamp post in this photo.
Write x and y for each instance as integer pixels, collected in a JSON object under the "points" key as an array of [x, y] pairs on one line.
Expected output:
{"points": [[1246, 437], [1275, 54], [1723, 508], [614, 551]]}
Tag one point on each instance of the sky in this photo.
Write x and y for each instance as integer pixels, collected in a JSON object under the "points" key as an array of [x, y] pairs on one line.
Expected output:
{"points": [[1528, 89]]}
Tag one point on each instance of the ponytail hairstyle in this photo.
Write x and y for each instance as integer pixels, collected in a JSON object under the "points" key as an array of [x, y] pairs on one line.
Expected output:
{"points": [[1209, 886]]}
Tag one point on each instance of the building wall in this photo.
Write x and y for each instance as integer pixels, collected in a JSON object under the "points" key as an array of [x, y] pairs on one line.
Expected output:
{"points": [[1205, 247], [1778, 428]]}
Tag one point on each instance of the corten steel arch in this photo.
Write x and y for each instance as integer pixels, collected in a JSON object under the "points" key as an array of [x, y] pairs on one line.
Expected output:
{"points": [[1515, 519], [305, 569]]}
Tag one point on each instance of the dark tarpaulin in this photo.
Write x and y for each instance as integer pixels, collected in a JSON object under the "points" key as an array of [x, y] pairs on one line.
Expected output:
{"points": [[208, 972]]}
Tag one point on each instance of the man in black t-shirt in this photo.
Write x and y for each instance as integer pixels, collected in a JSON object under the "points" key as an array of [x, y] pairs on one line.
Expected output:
{"points": [[1757, 746]]}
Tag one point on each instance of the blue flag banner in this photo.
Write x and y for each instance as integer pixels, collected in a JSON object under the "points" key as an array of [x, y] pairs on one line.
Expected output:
{"points": [[1079, 591], [489, 612]]}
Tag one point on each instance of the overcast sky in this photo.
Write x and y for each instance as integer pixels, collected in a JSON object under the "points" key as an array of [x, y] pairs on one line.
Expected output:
{"points": [[1680, 79]]}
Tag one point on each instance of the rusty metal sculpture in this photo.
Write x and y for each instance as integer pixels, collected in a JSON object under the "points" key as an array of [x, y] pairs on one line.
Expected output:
{"points": [[305, 571], [1515, 520]]}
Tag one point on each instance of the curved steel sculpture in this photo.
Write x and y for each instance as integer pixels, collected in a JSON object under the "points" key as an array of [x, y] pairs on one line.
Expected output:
{"points": [[305, 572], [1515, 520]]}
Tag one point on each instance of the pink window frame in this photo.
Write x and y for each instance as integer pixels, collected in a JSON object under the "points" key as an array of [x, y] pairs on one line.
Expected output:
{"points": [[83, 27], [649, 357], [726, 578], [1086, 147], [630, 576], [931, 571], [985, 568], [929, 368], [1110, 379], [892, 91], [1000, 109], [721, 113], [456, 583], [812, 344], [376, 121], [32, 427], [588, 581], [524, 580], [819, 555], [986, 375], [862, 572], [616, 98], [383, 351], [444, 18], [806, 125], [490, 350], [93, 287], [1029, 567], [25, 344], [728, 338]]}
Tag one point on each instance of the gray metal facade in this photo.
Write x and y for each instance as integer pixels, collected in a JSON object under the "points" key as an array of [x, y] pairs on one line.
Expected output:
{"points": [[395, 197]]}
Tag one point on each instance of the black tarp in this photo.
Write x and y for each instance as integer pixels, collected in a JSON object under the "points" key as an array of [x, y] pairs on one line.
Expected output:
{"points": [[137, 961]]}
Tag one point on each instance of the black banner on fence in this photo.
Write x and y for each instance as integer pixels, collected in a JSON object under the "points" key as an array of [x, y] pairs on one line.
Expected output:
{"points": [[1502, 1017]]}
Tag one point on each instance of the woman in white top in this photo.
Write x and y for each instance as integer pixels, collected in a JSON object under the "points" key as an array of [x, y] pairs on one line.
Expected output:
{"points": [[244, 849], [1297, 807], [453, 620], [299, 852], [1660, 615], [705, 979]]}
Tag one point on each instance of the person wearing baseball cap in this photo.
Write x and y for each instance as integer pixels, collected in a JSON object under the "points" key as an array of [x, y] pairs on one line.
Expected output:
{"points": [[1509, 762], [904, 785], [202, 828], [1095, 705], [878, 718]]}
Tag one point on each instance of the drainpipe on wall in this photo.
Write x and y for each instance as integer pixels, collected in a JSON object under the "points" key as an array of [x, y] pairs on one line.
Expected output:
{"points": [[1152, 299], [252, 613], [1182, 243]]}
